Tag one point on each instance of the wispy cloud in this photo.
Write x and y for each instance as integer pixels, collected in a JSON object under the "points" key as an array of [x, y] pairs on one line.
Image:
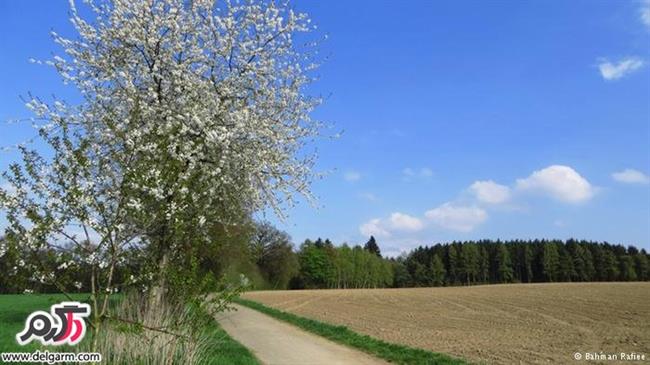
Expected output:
{"points": [[613, 71], [408, 174], [368, 196], [644, 11], [631, 176], [352, 176]]}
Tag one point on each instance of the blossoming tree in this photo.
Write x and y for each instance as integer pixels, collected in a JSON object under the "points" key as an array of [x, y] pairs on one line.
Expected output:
{"points": [[193, 113]]}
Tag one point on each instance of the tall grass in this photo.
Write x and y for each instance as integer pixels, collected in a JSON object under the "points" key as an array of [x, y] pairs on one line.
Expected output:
{"points": [[167, 333]]}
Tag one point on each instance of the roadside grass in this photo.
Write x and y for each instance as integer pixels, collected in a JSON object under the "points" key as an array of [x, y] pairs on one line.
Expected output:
{"points": [[394, 353], [224, 350], [221, 349]]}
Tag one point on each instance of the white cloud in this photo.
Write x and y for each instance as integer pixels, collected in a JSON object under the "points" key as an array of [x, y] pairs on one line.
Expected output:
{"points": [[352, 176], [631, 176], [395, 222], [614, 71], [457, 218], [374, 227], [645, 12], [405, 222], [490, 192], [561, 182]]}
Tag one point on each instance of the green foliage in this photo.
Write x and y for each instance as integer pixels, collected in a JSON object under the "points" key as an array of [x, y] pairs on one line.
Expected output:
{"points": [[504, 265], [393, 353], [491, 262], [551, 262], [271, 250], [438, 271], [322, 265]]}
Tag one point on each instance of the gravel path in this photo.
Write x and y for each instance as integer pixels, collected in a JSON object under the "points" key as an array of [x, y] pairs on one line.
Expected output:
{"points": [[277, 343]]}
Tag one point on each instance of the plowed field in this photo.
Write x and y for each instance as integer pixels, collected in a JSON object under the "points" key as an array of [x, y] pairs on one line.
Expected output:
{"points": [[524, 323]]}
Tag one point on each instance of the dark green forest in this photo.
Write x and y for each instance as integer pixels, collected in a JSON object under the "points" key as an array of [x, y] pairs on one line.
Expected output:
{"points": [[266, 256]]}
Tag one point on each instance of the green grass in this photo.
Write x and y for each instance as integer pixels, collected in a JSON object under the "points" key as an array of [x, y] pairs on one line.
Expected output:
{"points": [[388, 351], [14, 310]]}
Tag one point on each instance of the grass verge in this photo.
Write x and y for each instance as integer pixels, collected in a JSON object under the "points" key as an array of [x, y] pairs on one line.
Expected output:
{"points": [[223, 349], [395, 353]]}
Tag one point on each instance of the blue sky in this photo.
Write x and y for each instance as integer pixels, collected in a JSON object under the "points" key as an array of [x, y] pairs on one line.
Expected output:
{"points": [[461, 119]]}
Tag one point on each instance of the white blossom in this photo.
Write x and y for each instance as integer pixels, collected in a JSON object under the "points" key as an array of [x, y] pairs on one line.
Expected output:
{"points": [[190, 112]]}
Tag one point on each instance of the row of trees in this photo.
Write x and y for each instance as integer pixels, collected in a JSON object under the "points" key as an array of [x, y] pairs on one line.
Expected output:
{"points": [[489, 262], [322, 265], [267, 257]]}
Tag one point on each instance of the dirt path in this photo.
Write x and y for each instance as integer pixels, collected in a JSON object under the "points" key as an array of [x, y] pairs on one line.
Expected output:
{"points": [[277, 343]]}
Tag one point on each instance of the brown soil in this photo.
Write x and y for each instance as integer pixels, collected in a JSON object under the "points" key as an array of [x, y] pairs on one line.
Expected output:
{"points": [[505, 324]]}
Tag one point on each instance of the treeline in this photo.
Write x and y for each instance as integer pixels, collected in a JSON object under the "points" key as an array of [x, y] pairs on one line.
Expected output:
{"points": [[323, 265], [491, 262], [267, 257]]}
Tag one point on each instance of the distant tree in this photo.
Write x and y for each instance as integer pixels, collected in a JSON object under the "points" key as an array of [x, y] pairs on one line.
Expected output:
{"points": [[316, 268], [551, 261], [272, 251], [566, 267], [453, 259], [610, 266], [470, 262], [438, 271], [504, 264], [627, 268], [526, 263], [372, 246], [265, 238], [641, 264], [484, 265], [401, 277]]}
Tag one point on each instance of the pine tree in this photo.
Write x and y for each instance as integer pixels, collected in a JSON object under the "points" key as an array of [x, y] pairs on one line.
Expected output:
{"points": [[504, 264], [469, 259], [610, 266], [551, 261], [372, 246], [641, 264], [627, 267], [527, 262], [454, 261], [438, 271], [484, 265]]}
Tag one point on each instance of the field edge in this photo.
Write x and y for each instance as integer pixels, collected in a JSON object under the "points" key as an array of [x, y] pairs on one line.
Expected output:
{"points": [[391, 352]]}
